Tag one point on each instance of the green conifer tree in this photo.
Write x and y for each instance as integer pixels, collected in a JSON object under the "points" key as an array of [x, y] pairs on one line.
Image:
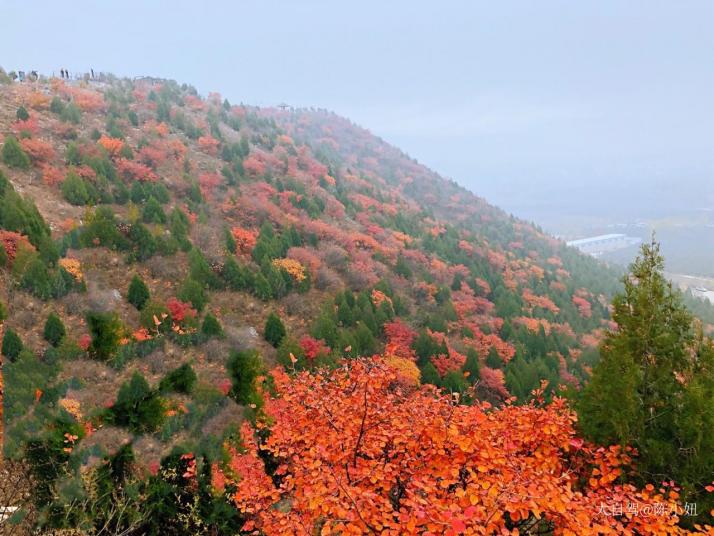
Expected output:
{"points": [[472, 365], [274, 331], [653, 387], [105, 329], [138, 293], [54, 330], [211, 327], [22, 114], [13, 155], [11, 344], [244, 367]]}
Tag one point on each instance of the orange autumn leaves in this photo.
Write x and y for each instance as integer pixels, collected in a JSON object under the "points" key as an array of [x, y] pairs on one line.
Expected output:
{"points": [[357, 451]]}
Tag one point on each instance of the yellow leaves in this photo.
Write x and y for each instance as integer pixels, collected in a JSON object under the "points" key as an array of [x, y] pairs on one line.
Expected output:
{"points": [[292, 267], [71, 406], [73, 267], [407, 372]]}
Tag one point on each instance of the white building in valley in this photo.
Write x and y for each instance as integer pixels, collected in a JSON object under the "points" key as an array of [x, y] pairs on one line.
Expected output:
{"points": [[597, 245]]}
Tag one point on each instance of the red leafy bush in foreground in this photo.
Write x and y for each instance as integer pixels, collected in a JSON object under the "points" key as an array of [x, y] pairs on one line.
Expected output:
{"points": [[358, 453]]}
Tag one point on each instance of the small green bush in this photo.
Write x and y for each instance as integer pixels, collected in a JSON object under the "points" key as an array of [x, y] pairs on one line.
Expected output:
{"points": [[137, 407], [493, 360], [54, 330], [211, 327], [11, 344], [36, 279], [143, 243], [106, 333], [22, 114], [244, 367], [179, 380], [472, 365], [454, 382], [153, 212], [274, 331], [138, 293], [429, 374], [74, 189], [71, 114], [236, 277], [291, 346], [192, 291], [13, 155], [56, 105]]}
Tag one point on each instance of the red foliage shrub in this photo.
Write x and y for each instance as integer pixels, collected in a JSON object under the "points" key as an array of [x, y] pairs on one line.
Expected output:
{"points": [[399, 339], [180, 311], [152, 155], [12, 242], [52, 175], [135, 170], [253, 167], [313, 347], [583, 305], [208, 182], [245, 239], [37, 150], [112, 145], [208, 144], [29, 126]]}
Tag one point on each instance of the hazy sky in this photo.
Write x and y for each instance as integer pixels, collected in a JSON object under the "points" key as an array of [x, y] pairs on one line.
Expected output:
{"points": [[513, 99]]}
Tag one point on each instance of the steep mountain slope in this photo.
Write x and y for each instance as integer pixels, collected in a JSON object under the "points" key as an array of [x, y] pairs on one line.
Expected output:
{"points": [[164, 230]]}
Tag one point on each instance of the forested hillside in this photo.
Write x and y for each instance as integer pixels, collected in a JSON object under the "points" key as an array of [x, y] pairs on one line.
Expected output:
{"points": [[163, 252]]}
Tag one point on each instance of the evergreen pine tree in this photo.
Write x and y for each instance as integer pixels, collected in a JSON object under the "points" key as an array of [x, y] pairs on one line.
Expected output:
{"points": [[211, 327], [11, 344], [138, 293], [106, 334], [13, 155], [429, 374], [493, 360], [244, 367], [74, 189], [54, 330], [153, 212], [193, 292], [137, 407], [653, 387], [274, 330], [472, 365], [454, 382], [22, 114], [179, 380]]}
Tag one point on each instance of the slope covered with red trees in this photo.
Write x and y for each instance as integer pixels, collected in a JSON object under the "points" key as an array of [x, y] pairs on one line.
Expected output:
{"points": [[163, 255]]}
